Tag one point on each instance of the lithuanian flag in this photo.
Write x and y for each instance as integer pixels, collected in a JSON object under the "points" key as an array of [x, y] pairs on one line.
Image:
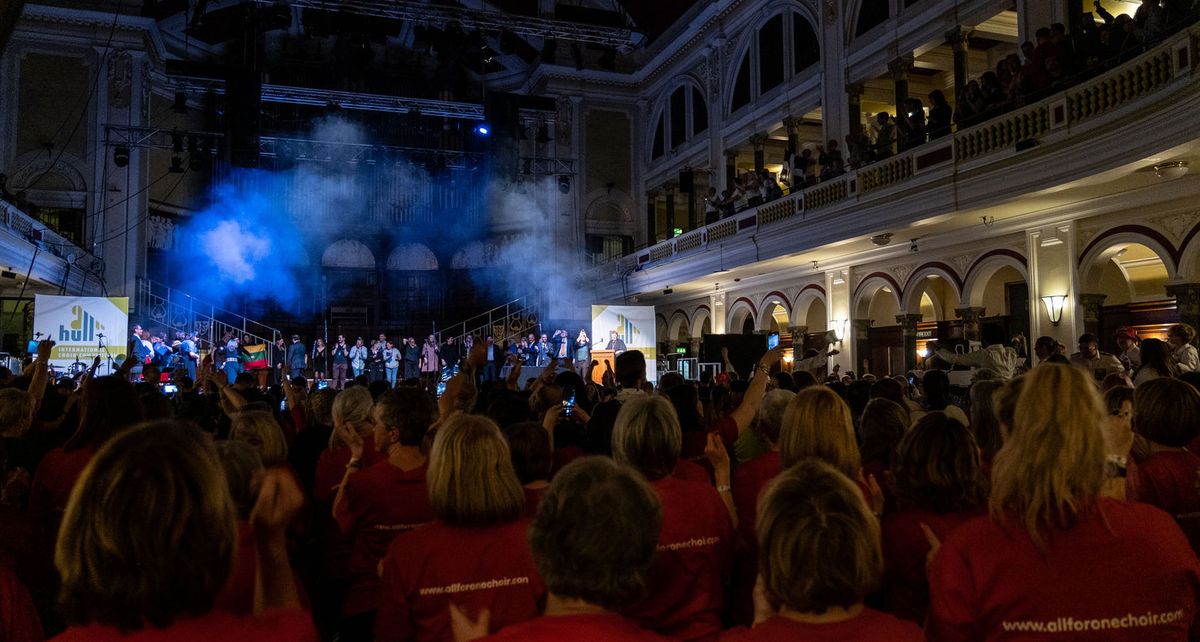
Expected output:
{"points": [[254, 357]]}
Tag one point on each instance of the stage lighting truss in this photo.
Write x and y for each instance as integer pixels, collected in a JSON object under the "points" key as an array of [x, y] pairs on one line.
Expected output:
{"points": [[289, 95], [301, 149], [478, 19], [133, 137], [541, 166]]}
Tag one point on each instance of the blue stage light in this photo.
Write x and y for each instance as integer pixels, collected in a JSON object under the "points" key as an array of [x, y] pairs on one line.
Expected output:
{"points": [[482, 130]]}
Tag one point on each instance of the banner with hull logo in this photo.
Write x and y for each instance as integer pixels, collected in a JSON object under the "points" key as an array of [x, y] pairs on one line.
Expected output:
{"points": [[631, 325], [75, 323]]}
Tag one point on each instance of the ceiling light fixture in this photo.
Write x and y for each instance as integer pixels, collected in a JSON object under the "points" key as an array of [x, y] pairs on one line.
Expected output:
{"points": [[1172, 170]]}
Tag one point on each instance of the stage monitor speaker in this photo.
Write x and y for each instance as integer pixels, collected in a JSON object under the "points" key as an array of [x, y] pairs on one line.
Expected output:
{"points": [[686, 181], [744, 350]]}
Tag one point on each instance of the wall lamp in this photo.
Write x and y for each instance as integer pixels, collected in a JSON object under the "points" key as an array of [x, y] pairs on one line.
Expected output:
{"points": [[1054, 307], [839, 329]]}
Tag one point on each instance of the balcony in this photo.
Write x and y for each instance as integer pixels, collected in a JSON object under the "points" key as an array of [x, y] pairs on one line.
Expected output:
{"points": [[1138, 109], [57, 263]]}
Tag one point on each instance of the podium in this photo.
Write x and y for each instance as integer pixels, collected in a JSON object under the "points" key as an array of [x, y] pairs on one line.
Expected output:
{"points": [[602, 356]]}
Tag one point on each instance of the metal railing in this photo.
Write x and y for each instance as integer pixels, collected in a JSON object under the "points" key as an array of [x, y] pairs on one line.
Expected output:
{"points": [[40, 234], [161, 305], [1169, 64], [503, 322]]}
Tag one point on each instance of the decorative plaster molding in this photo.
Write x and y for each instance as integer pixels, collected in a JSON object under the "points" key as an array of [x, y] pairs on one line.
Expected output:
{"points": [[902, 272], [1176, 226], [962, 263]]}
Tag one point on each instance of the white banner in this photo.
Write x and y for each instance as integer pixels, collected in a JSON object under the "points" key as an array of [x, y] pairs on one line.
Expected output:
{"points": [[82, 329], [633, 326]]}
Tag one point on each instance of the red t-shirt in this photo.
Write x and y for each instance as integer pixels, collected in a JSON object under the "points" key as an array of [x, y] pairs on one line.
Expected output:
{"points": [[18, 618], [604, 627], [748, 483], [1124, 572], [1168, 479], [691, 471], [216, 626], [431, 566], [379, 503], [331, 467], [695, 548], [867, 626], [905, 585], [533, 499], [52, 483]]}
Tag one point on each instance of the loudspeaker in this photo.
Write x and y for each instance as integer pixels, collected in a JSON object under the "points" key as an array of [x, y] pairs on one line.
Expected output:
{"points": [[686, 182]]}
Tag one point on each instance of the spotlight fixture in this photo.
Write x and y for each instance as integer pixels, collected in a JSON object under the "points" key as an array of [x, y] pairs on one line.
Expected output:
{"points": [[564, 184], [816, 266], [988, 221], [668, 291], [121, 156], [180, 105], [482, 129], [176, 165], [8, 274], [1171, 170], [913, 246], [882, 239]]}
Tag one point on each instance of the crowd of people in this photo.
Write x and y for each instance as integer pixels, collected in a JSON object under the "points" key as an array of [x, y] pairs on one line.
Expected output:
{"points": [[1056, 498], [1053, 61]]}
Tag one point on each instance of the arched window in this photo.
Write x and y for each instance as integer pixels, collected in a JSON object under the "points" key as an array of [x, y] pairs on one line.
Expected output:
{"points": [[683, 115], [770, 54], [871, 14], [806, 49], [741, 85], [781, 48], [699, 112]]}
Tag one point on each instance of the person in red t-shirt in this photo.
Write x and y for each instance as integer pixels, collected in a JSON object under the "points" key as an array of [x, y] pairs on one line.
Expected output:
{"points": [[1167, 413], [473, 554], [532, 456], [686, 588], [819, 557], [589, 573], [18, 618], [818, 423], [148, 541], [1055, 556], [109, 405], [749, 480], [939, 484], [377, 504]]}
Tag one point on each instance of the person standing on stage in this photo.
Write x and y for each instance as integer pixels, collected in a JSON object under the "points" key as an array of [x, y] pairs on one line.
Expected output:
{"points": [[297, 358], [431, 363], [319, 359], [279, 360], [583, 353], [341, 362], [191, 356], [494, 355], [412, 359], [615, 343], [391, 362], [358, 357], [233, 365], [450, 355]]}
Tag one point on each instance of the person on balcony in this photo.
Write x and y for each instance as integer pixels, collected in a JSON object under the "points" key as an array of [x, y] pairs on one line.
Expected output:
{"points": [[885, 136], [830, 158], [712, 206], [940, 114]]}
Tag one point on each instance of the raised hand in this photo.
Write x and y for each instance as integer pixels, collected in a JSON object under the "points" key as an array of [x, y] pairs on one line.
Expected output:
{"points": [[279, 500]]}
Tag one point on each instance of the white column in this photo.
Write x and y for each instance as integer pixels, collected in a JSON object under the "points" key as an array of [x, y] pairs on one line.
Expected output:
{"points": [[834, 112], [837, 306], [716, 303], [1052, 271]]}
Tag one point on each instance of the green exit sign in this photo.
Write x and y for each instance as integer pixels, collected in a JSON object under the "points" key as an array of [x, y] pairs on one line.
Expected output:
{"points": [[678, 231], [680, 350]]}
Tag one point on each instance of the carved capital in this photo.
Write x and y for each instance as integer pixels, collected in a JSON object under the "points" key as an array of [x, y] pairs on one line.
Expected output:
{"points": [[791, 123], [959, 38], [758, 140], [900, 67], [908, 322], [855, 91], [1187, 298], [1092, 304]]}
